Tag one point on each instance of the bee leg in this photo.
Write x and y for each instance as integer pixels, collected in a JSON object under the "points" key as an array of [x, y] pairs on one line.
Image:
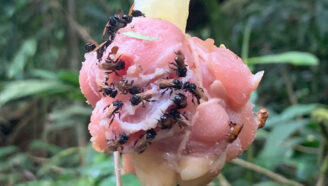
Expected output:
{"points": [[111, 121], [106, 107], [184, 115], [116, 73], [164, 91], [192, 100], [171, 92], [172, 63]]}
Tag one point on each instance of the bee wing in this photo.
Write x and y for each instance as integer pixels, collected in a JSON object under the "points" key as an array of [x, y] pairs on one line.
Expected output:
{"points": [[120, 12], [99, 46], [131, 9], [114, 50], [104, 31]]}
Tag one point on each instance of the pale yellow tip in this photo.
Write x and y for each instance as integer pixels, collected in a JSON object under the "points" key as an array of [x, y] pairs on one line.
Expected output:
{"points": [[222, 46], [174, 11]]}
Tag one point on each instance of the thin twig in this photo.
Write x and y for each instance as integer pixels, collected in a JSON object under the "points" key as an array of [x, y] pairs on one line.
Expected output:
{"points": [[323, 172], [41, 160], [117, 168], [223, 181], [83, 33], [265, 172], [309, 150], [289, 86]]}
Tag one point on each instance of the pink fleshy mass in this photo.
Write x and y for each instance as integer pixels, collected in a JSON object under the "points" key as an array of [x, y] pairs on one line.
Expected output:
{"points": [[226, 81]]}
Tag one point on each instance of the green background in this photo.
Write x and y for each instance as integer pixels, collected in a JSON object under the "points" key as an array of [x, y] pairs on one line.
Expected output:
{"points": [[43, 116]]}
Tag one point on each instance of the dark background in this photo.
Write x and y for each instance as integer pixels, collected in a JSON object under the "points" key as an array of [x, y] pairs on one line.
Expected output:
{"points": [[43, 116]]}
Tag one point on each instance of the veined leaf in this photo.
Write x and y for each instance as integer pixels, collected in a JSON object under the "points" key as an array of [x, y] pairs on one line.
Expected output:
{"points": [[27, 50], [18, 89], [274, 144], [139, 36], [290, 113], [4, 151], [44, 74], [69, 77], [74, 110], [294, 58]]}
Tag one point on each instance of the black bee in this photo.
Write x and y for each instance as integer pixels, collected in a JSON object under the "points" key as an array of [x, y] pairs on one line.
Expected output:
{"points": [[88, 47], [235, 130], [102, 48], [112, 26], [113, 66], [150, 134], [145, 141], [125, 87], [180, 101], [195, 91], [170, 118], [123, 139], [137, 13], [141, 98], [116, 22], [166, 122], [109, 91], [115, 107], [179, 64], [170, 84], [126, 19], [116, 143]]}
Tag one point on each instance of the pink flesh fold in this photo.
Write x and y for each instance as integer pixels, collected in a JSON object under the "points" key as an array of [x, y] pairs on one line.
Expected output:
{"points": [[226, 81]]}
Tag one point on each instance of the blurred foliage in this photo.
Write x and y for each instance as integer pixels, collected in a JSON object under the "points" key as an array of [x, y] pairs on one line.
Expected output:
{"points": [[44, 117]]}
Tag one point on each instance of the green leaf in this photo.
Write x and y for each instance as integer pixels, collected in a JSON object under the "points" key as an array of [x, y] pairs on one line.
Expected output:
{"points": [[44, 74], [274, 144], [28, 49], [19, 89], [37, 183], [44, 146], [69, 77], [139, 36], [70, 111], [108, 181], [294, 58], [268, 183], [4, 151], [130, 180], [98, 170], [290, 113]]}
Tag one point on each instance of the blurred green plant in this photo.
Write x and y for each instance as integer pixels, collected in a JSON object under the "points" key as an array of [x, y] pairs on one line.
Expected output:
{"points": [[43, 115]]}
